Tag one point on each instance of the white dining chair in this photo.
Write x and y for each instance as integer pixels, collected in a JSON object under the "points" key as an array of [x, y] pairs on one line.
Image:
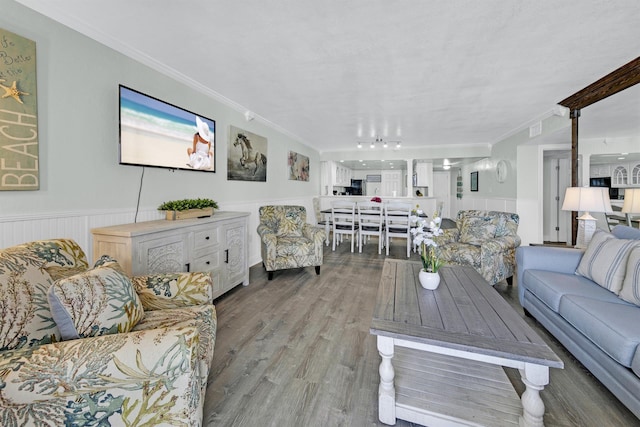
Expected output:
{"points": [[397, 223], [343, 217], [321, 220], [371, 222]]}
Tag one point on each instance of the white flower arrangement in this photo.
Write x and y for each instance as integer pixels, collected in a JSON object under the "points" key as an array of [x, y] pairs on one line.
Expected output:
{"points": [[423, 233]]}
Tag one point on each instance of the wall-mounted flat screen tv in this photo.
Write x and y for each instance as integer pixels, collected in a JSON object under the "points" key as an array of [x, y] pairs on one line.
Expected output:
{"points": [[156, 133]]}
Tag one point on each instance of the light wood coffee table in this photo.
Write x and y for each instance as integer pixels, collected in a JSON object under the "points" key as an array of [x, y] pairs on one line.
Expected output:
{"points": [[443, 352]]}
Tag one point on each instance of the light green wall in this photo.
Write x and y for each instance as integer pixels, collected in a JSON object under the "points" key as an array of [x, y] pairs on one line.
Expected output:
{"points": [[78, 131]]}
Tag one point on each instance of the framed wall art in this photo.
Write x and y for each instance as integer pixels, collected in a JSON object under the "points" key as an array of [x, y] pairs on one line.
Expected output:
{"points": [[474, 181], [247, 156], [298, 166], [19, 158]]}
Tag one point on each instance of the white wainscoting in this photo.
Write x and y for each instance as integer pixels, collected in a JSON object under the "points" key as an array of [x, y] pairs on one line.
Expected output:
{"points": [[488, 204], [77, 225]]}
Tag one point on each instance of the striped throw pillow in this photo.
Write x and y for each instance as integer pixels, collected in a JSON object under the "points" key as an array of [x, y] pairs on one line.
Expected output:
{"points": [[605, 260], [631, 286]]}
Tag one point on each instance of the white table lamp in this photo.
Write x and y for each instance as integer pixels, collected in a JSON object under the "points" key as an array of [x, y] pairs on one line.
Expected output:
{"points": [[586, 199], [631, 203]]}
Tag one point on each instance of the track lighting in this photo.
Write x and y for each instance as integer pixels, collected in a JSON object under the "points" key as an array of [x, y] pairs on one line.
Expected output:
{"points": [[377, 141]]}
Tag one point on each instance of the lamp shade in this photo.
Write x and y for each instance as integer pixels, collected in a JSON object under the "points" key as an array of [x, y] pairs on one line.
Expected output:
{"points": [[631, 200], [587, 199]]}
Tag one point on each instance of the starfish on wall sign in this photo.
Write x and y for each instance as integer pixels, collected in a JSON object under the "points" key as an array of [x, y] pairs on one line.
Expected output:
{"points": [[12, 91]]}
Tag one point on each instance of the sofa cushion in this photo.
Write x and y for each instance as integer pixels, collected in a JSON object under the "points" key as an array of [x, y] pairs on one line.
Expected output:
{"points": [[97, 302], [631, 285], [612, 326], [294, 246], [605, 260], [550, 286], [475, 230]]}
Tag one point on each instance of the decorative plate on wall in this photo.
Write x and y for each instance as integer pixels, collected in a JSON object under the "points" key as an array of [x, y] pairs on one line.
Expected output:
{"points": [[502, 168]]}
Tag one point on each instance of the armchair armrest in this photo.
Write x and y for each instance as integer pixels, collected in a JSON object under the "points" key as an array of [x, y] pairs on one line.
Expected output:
{"points": [[269, 242], [499, 245], [449, 235], [313, 233], [162, 291]]}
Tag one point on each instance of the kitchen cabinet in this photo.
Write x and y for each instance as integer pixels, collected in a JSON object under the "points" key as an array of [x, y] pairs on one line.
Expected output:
{"points": [[340, 175], [217, 244], [424, 174], [598, 171], [634, 174], [619, 175], [622, 174]]}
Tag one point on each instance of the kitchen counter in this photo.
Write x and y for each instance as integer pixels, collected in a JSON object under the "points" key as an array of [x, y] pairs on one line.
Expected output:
{"points": [[426, 204]]}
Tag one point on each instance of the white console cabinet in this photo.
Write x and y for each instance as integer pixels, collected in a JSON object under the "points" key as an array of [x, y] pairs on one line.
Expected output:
{"points": [[217, 244]]}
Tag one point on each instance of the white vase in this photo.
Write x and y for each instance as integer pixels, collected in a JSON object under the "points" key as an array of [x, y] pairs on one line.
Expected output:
{"points": [[429, 280]]}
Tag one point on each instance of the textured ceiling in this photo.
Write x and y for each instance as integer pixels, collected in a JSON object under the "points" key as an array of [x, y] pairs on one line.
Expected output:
{"points": [[420, 71]]}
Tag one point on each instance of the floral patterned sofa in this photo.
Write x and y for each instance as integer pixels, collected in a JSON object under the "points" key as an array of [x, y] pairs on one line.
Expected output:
{"points": [[287, 241], [484, 240], [90, 346]]}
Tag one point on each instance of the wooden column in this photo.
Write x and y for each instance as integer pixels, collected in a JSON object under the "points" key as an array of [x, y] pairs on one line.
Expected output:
{"points": [[575, 114], [614, 82]]}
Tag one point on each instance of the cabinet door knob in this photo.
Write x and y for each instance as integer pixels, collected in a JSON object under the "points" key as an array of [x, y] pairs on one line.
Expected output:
{"points": [[206, 238], [208, 262], [188, 265], [226, 256]]}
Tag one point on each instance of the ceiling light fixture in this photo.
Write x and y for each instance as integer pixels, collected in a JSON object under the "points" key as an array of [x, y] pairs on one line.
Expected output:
{"points": [[379, 140]]}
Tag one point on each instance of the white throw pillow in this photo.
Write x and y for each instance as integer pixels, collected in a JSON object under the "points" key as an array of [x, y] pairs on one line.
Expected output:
{"points": [[605, 260], [631, 286]]}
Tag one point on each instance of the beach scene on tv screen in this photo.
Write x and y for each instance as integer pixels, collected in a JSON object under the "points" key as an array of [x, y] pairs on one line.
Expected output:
{"points": [[155, 133]]}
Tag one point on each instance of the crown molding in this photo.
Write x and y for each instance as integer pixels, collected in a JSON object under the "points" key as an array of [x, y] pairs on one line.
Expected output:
{"points": [[48, 9]]}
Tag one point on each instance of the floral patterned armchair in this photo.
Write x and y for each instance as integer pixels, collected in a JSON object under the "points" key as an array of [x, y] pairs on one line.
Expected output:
{"points": [[287, 241], [484, 240], [142, 346]]}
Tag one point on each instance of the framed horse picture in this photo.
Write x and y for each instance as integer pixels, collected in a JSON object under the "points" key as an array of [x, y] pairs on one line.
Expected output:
{"points": [[247, 156]]}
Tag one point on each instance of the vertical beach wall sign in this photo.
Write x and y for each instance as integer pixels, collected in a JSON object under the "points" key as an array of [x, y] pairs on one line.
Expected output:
{"points": [[19, 161]]}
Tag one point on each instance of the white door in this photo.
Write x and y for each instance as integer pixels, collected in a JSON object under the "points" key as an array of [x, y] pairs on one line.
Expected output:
{"points": [[556, 223], [391, 184], [441, 190]]}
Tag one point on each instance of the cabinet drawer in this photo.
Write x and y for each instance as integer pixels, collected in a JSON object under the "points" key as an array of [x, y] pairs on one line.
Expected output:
{"points": [[206, 262], [206, 237]]}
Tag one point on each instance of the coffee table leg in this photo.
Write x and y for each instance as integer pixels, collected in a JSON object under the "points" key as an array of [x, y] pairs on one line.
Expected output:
{"points": [[534, 377], [386, 390]]}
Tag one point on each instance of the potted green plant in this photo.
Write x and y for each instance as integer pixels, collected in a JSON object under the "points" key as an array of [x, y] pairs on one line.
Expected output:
{"points": [[188, 208]]}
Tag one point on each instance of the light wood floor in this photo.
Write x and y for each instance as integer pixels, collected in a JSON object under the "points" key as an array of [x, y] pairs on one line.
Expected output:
{"points": [[296, 351]]}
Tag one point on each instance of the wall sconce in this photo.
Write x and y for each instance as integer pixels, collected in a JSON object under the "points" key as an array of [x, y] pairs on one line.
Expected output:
{"points": [[586, 199]]}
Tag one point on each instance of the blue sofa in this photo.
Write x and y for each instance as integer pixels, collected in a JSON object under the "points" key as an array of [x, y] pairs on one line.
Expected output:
{"points": [[595, 324]]}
